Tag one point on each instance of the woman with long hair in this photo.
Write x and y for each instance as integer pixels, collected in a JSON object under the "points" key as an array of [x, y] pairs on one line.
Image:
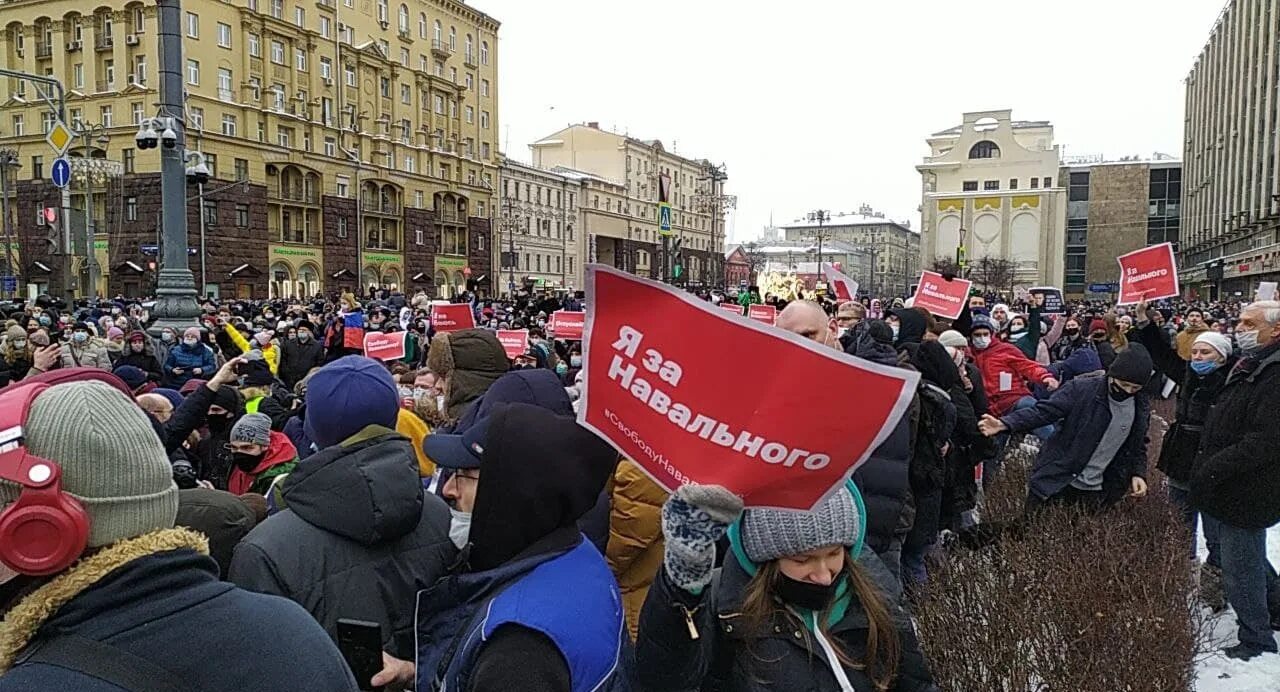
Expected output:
{"points": [[797, 605]]}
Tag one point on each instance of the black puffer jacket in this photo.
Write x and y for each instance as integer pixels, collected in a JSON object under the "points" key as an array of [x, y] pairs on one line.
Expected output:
{"points": [[359, 539], [668, 659], [1235, 476], [1182, 440], [297, 358]]}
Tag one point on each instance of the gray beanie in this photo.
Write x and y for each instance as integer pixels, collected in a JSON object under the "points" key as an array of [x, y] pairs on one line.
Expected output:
{"points": [[111, 458], [254, 428], [768, 534]]}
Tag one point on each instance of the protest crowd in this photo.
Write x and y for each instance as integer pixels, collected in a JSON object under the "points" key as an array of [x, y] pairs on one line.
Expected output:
{"points": [[385, 491]]}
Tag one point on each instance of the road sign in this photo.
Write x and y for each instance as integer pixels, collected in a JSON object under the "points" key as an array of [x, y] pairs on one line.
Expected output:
{"points": [[60, 137], [664, 218], [8, 283], [1104, 288], [60, 172]]}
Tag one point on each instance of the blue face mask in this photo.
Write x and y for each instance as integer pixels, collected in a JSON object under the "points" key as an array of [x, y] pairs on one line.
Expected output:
{"points": [[1204, 367]]}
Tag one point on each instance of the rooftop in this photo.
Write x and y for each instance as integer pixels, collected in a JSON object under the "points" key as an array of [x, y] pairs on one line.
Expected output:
{"points": [[863, 217], [1089, 160], [1017, 125]]}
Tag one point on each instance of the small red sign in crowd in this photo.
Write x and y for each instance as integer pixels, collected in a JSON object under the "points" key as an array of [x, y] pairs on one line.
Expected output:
{"points": [[684, 413], [451, 318], [567, 325], [763, 313], [514, 341], [732, 307], [384, 345], [1148, 274], [941, 297]]}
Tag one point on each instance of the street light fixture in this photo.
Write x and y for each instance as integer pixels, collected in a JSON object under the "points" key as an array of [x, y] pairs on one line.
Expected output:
{"points": [[820, 216]]}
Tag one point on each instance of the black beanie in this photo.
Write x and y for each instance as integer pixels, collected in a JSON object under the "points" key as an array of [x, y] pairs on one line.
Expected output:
{"points": [[880, 331], [1132, 364], [259, 374]]}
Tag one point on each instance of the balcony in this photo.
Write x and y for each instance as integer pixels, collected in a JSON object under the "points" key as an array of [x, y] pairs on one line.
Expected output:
{"points": [[440, 49], [255, 65], [470, 60], [43, 49], [298, 194], [293, 235], [450, 217], [226, 96], [374, 243], [102, 86], [103, 42], [385, 207]]}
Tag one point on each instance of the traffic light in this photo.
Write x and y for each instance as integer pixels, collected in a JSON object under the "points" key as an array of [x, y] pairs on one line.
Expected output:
{"points": [[677, 265], [51, 219]]}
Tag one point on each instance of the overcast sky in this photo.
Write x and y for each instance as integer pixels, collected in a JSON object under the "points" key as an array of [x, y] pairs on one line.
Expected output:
{"points": [[827, 104]]}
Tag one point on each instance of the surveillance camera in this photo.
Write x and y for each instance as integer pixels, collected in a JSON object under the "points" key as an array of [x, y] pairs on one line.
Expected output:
{"points": [[146, 137], [169, 137], [199, 173]]}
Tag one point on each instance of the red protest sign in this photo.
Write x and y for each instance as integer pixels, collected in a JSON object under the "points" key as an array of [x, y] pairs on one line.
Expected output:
{"points": [[384, 346], [941, 297], [1148, 274], [763, 313], [684, 413], [732, 307], [514, 341], [451, 318], [567, 324], [842, 286]]}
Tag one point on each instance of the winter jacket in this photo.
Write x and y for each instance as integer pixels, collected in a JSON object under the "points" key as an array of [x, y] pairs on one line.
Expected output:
{"points": [[14, 369], [635, 537], [143, 361], [359, 538], [1082, 409], [1235, 477], [1106, 353], [92, 354], [279, 459], [188, 359], [969, 448], [161, 348], [1163, 356], [269, 352], [1028, 341], [157, 601], [1002, 361], [1064, 347], [721, 658], [298, 358], [1182, 440], [220, 516], [1185, 338]]}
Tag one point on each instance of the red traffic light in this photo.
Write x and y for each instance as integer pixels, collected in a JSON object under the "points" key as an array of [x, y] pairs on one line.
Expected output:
{"points": [[51, 214]]}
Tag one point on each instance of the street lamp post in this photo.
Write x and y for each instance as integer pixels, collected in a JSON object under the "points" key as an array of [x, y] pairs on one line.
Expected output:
{"points": [[821, 216], [8, 161], [92, 170]]}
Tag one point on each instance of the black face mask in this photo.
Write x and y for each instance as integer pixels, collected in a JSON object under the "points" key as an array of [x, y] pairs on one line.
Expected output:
{"points": [[218, 424], [805, 594], [1118, 394], [1073, 333], [245, 462]]}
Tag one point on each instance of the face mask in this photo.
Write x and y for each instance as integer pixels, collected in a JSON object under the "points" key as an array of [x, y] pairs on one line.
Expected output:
{"points": [[895, 329], [189, 342], [1118, 394], [1017, 329], [245, 462], [575, 361], [19, 343], [269, 316], [440, 403], [115, 311], [218, 424], [136, 348], [304, 337], [1248, 341], [1073, 333], [166, 337], [981, 342], [459, 528], [44, 320], [805, 594], [419, 392], [80, 337], [561, 368], [542, 323], [1204, 367], [842, 332]]}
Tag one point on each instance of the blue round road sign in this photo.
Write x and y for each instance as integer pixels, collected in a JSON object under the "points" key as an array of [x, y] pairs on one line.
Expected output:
{"points": [[60, 174]]}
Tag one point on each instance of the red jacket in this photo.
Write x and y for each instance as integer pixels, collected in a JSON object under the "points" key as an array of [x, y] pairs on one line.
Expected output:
{"points": [[281, 457], [1005, 358]]}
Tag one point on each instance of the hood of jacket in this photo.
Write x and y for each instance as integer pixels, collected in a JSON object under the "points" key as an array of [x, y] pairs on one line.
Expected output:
{"points": [[867, 348], [539, 472], [911, 326], [365, 488], [279, 451]]}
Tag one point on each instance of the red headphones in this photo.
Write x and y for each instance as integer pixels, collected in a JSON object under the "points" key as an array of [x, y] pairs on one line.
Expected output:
{"points": [[45, 530]]}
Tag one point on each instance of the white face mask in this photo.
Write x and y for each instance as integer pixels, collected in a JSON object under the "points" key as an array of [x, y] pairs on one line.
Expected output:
{"points": [[1248, 341], [459, 528], [440, 403], [843, 331], [981, 342]]}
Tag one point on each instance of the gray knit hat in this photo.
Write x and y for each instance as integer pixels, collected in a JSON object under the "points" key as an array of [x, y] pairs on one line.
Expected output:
{"points": [[112, 460], [254, 428], [768, 534]]}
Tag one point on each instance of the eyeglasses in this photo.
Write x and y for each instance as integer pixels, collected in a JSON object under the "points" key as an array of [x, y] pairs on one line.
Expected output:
{"points": [[467, 476]]}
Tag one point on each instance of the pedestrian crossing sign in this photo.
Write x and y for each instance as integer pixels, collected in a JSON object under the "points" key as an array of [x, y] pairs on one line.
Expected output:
{"points": [[664, 218]]}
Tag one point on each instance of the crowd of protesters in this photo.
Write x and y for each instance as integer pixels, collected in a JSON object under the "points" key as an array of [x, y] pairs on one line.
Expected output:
{"points": [[249, 484]]}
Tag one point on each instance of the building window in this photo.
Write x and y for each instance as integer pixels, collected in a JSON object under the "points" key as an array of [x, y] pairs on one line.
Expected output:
{"points": [[242, 169], [469, 81], [130, 208], [1013, 183], [300, 59], [229, 125], [453, 38], [991, 184], [1077, 187], [193, 25], [277, 52], [77, 75], [210, 213], [326, 68], [255, 46], [406, 94], [470, 114], [127, 156], [1035, 183], [350, 73], [1048, 183], [438, 100], [484, 88], [18, 126], [342, 185], [484, 52], [193, 72], [284, 136], [37, 167], [224, 35], [104, 116], [326, 25], [299, 17], [484, 120], [418, 236], [330, 147], [970, 186], [342, 227], [242, 215]]}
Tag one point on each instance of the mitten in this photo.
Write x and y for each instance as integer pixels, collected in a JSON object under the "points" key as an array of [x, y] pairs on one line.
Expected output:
{"points": [[693, 519]]}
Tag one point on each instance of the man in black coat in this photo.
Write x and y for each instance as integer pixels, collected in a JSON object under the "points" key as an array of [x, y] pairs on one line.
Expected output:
{"points": [[1235, 479], [299, 355]]}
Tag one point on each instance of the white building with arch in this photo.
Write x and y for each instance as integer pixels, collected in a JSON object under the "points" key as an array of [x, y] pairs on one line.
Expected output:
{"points": [[991, 185]]}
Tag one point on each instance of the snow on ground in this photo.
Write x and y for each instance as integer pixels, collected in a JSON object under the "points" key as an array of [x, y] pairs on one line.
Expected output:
{"points": [[1221, 674]]}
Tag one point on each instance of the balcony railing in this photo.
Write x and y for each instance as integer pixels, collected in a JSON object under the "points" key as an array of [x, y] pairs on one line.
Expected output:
{"points": [[375, 243], [450, 217], [102, 86], [43, 49], [226, 95], [440, 49], [103, 42], [371, 206], [469, 60], [293, 235], [297, 194]]}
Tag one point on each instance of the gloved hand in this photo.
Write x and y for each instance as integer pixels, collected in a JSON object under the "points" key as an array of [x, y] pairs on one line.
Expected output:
{"points": [[693, 519]]}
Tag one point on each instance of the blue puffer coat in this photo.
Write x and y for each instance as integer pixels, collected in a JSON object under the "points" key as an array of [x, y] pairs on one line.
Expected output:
{"points": [[188, 358]]}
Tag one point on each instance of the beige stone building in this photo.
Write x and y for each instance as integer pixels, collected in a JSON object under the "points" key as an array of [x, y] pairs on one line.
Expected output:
{"points": [[891, 247], [365, 132], [1113, 208], [621, 202], [541, 213], [992, 185], [1231, 155]]}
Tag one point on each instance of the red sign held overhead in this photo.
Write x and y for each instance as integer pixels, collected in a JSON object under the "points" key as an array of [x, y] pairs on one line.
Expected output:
{"points": [[763, 313], [451, 318], [514, 341], [1148, 274], [567, 325], [384, 346], [684, 413], [941, 297]]}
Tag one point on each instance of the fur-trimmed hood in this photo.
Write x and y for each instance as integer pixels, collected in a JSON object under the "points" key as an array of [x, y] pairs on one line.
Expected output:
{"points": [[470, 359]]}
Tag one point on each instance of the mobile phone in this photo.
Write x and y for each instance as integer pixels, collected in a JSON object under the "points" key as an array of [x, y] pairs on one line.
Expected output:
{"points": [[240, 368], [361, 645]]}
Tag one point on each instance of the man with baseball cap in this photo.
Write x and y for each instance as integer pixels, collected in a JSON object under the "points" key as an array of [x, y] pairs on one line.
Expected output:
{"points": [[119, 598]]}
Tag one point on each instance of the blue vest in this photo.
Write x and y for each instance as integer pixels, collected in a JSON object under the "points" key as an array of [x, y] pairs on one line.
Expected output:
{"points": [[572, 598]]}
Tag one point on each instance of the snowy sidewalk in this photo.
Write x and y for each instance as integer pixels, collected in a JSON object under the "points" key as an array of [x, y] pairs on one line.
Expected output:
{"points": [[1221, 674]]}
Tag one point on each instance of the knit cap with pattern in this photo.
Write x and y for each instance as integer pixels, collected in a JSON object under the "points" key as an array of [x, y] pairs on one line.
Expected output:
{"points": [[254, 428], [768, 534], [111, 458]]}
